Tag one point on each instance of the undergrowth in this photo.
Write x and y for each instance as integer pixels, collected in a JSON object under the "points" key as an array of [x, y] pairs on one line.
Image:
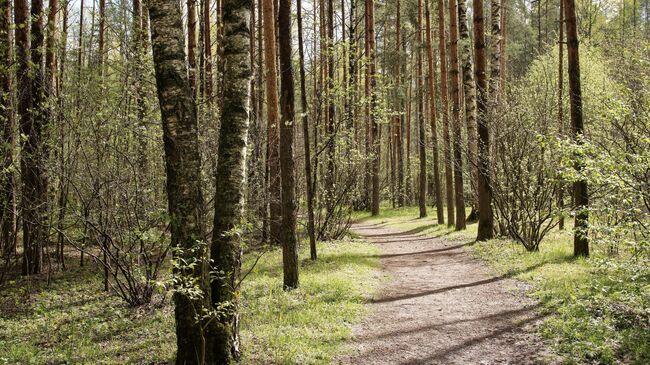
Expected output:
{"points": [[74, 321]]}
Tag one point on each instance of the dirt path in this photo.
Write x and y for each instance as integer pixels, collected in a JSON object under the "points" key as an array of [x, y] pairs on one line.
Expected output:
{"points": [[442, 306]]}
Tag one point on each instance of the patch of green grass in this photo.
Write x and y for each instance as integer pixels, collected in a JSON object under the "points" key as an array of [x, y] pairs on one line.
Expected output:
{"points": [[310, 324], [599, 308], [74, 321]]}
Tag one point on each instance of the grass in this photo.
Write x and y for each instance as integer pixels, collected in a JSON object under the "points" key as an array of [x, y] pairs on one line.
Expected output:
{"points": [[598, 308], [73, 321], [308, 325]]}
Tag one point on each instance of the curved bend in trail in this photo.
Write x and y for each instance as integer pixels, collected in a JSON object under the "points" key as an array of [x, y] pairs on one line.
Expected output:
{"points": [[441, 306]]}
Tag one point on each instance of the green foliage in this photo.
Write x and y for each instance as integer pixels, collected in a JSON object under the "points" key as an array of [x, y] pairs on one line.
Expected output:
{"points": [[307, 325], [72, 322], [598, 308]]}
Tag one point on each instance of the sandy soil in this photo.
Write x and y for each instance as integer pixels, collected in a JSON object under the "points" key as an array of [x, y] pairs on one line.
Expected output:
{"points": [[441, 306]]}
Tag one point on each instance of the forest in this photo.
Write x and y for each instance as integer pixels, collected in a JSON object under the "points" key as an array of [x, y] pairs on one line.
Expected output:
{"points": [[323, 182]]}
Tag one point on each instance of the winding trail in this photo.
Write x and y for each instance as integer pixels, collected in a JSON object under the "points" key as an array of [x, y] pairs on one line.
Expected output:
{"points": [[441, 306]]}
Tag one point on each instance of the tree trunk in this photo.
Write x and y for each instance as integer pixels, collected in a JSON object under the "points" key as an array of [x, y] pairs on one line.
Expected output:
{"points": [[50, 52], [434, 129], [207, 51], [560, 104], [330, 128], [580, 192], [289, 241], [495, 55], [7, 179], [273, 131], [469, 92], [422, 194], [442, 46], [63, 188], [504, 39], [34, 151], [374, 123], [455, 98], [399, 120], [485, 218], [230, 178], [305, 130], [79, 111], [139, 80], [191, 42], [183, 164], [100, 51]]}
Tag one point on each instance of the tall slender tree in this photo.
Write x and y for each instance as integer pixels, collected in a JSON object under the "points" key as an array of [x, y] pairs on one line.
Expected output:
{"points": [[34, 149], [51, 47], [191, 41], [442, 47], [434, 129], [580, 189], [495, 55], [305, 129], [485, 218], [560, 98], [331, 109], [455, 98], [469, 92], [399, 120], [504, 44], [374, 123], [289, 240], [422, 194], [207, 52], [273, 125], [7, 180]]}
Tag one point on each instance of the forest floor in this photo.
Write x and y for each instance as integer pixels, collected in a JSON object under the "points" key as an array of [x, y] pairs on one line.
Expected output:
{"points": [[443, 306]]}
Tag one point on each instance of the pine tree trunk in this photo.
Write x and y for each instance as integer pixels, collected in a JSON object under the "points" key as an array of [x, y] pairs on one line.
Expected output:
{"points": [[422, 195], [485, 219], [580, 192], [289, 240], [374, 123], [399, 130], [434, 129], [442, 47], [273, 131], [455, 98]]}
